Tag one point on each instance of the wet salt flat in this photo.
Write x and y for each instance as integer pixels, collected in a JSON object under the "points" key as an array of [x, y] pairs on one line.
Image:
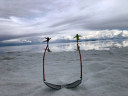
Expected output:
{"points": [[105, 70]]}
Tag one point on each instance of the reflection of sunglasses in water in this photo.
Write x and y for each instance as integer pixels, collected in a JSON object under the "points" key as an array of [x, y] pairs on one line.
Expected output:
{"points": [[71, 85]]}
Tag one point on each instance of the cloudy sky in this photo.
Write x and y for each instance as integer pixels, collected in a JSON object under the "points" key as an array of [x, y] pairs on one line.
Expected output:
{"points": [[31, 20]]}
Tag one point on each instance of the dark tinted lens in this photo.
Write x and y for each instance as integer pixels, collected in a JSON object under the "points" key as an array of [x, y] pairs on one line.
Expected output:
{"points": [[53, 85], [74, 84]]}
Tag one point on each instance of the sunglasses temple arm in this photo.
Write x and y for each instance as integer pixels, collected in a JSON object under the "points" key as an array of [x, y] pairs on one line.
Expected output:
{"points": [[43, 63], [80, 61]]}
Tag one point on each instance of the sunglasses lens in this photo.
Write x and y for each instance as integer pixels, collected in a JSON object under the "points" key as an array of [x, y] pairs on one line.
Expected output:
{"points": [[74, 84], [53, 86]]}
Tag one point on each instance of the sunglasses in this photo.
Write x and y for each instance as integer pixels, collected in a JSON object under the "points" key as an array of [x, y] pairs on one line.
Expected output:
{"points": [[70, 85]]}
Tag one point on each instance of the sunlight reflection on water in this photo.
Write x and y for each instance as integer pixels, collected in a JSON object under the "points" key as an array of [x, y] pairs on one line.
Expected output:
{"points": [[57, 47]]}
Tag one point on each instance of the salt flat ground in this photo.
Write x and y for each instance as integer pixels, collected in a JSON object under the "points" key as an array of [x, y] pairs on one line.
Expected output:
{"points": [[105, 73]]}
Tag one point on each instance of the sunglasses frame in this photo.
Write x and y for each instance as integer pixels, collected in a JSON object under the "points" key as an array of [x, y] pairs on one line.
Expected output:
{"points": [[70, 85]]}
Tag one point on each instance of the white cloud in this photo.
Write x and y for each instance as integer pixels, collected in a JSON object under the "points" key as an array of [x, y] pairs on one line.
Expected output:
{"points": [[21, 19]]}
